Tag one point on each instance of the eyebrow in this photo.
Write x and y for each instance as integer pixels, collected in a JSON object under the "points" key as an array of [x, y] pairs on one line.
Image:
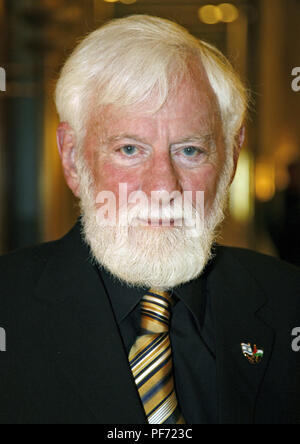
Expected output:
{"points": [[191, 138], [196, 138], [126, 136]]}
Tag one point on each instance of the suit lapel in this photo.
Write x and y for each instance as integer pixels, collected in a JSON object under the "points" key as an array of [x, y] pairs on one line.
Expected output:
{"points": [[239, 305], [84, 336]]}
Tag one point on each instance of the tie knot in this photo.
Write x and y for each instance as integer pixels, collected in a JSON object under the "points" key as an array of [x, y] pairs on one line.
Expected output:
{"points": [[156, 311]]}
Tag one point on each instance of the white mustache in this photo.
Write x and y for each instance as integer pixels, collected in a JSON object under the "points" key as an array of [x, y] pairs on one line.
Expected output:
{"points": [[176, 215]]}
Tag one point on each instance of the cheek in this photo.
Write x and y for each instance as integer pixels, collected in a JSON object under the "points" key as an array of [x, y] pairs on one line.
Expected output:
{"points": [[108, 177], [205, 179]]}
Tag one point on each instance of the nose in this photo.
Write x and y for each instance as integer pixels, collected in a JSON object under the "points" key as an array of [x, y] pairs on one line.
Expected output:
{"points": [[161, 177]]}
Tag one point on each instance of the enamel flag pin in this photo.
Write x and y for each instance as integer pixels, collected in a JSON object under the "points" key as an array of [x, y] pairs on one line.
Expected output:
{"points": [[253, 355]]}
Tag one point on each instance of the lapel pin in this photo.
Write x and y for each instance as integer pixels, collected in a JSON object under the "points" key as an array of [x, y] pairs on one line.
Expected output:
{"points": [[253, 355]]}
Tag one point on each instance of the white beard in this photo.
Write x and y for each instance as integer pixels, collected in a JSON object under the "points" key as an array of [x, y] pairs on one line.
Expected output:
{"points": [[159, 258]]}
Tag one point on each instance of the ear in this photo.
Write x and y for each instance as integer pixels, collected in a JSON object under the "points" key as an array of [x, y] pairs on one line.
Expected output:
{"points": [[66, 142], [239, 142]]}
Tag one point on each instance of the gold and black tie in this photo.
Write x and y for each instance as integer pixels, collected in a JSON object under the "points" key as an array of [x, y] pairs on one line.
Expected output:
{"points": [[150, 360]]}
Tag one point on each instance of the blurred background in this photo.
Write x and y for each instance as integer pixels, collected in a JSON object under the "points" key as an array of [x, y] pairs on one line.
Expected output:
{"points": [[261, 38]]}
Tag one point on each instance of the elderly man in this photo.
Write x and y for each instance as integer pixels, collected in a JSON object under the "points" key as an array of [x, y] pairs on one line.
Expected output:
{"points": [[137, 316]]}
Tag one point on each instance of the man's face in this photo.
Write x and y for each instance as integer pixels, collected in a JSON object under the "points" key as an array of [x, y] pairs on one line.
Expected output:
{"points": [[180, 148]]}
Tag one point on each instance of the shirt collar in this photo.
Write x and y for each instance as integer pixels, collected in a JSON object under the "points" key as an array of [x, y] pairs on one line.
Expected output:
{"points": [[193, 294], [125, 298], [122, 297]]}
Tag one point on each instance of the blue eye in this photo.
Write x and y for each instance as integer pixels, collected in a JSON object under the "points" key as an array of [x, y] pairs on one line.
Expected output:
{"points": [[191, 151], [129, 150]]}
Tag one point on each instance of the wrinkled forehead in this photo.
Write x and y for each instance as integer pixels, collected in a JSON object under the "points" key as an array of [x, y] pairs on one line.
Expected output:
{"points": [[192, 99]]}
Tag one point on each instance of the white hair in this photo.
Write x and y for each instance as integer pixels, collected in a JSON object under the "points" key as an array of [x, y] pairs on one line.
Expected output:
{"points": [[126, 60]]}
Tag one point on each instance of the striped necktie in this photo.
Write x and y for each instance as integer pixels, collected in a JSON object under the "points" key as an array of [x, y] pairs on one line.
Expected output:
{"points": [[150, 360]]}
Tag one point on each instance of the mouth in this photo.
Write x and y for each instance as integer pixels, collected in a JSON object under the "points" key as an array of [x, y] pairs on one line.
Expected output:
{"points": [[160, 222]]}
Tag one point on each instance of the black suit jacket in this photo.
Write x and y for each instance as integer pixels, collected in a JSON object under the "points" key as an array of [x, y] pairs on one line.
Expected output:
{"points": [[65, 362]]}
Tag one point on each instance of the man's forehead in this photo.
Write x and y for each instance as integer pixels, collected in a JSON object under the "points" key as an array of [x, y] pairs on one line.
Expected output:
{"points": [[189, 101], [138, 126], [191, 107]]}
